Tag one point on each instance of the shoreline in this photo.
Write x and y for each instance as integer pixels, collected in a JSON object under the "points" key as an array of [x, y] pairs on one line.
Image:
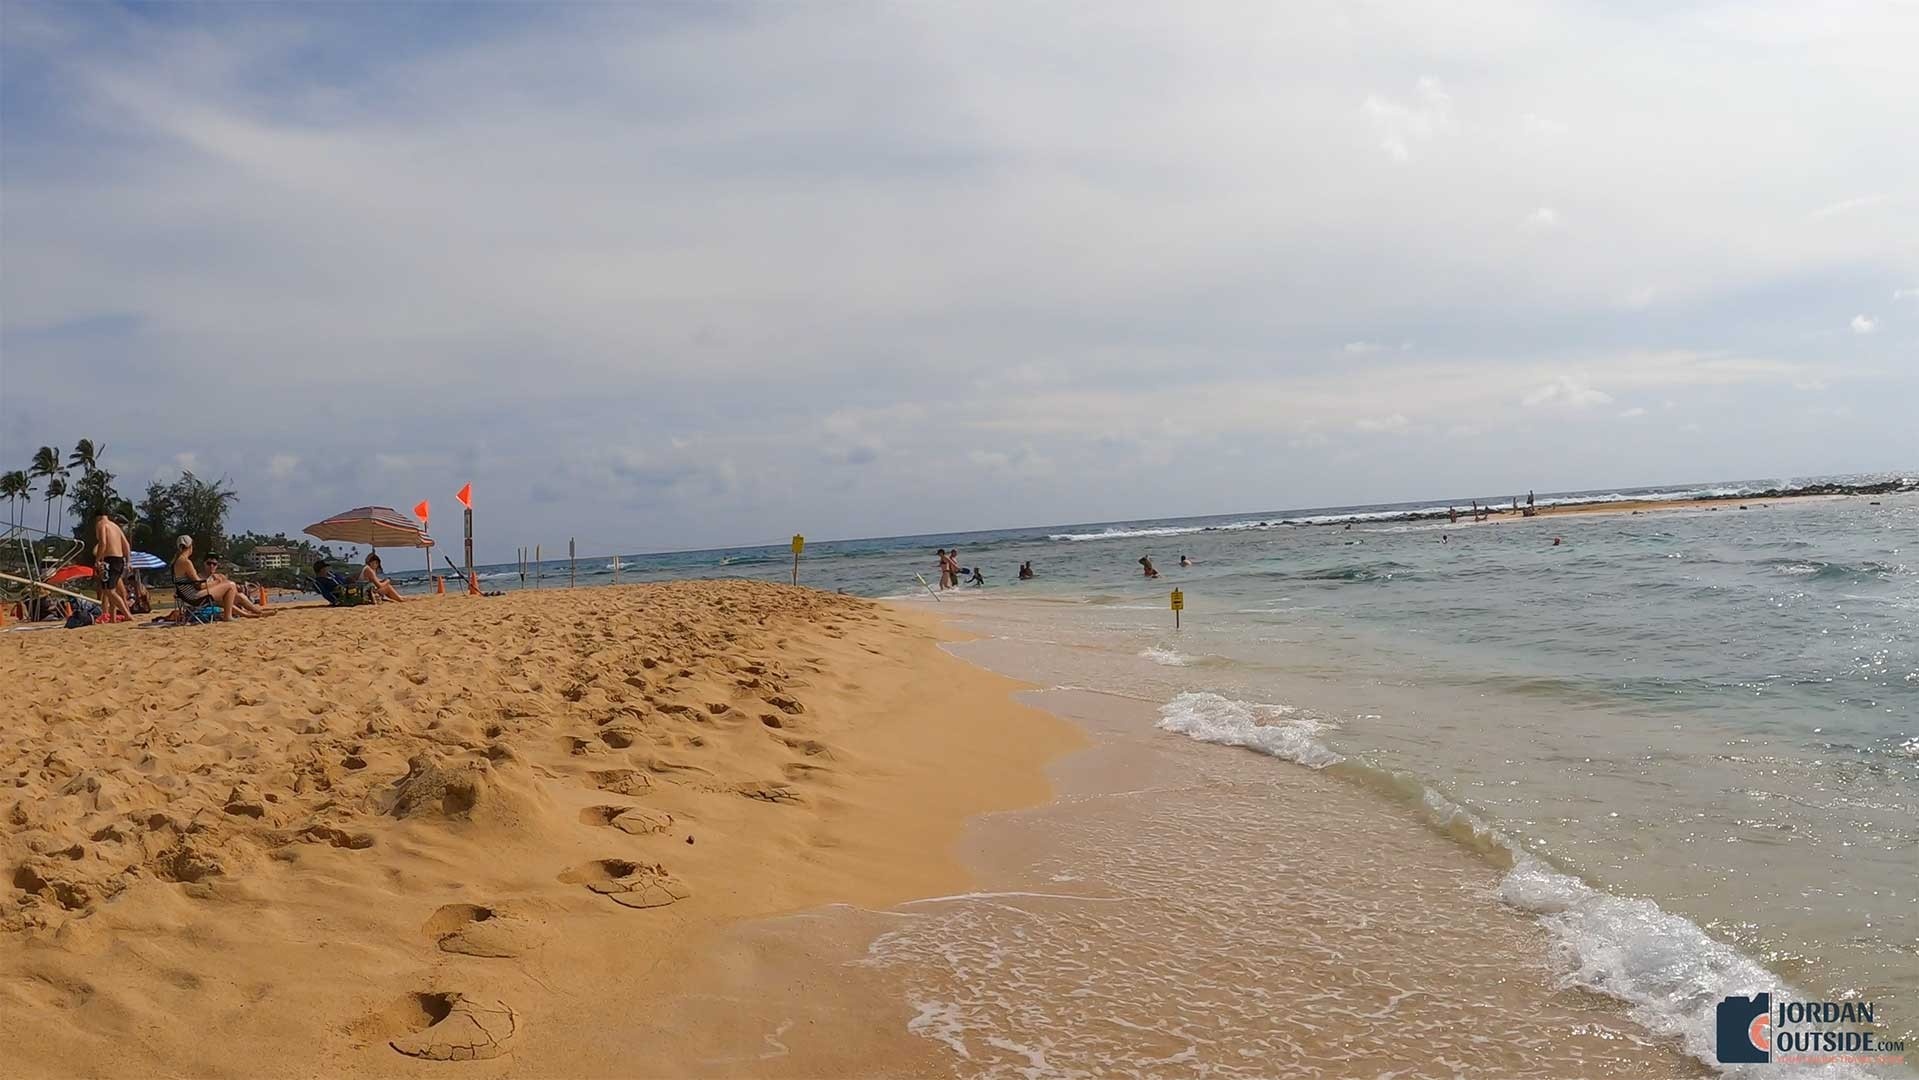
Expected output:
{"points": [[490, 832]]}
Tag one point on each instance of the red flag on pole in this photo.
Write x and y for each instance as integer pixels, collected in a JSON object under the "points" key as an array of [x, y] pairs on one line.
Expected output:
{"points": [[466, 496], [420, 511]]}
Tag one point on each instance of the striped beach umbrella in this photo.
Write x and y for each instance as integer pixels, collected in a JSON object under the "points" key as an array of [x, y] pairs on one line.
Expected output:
{"points": [[374, 526], [140, 560]]}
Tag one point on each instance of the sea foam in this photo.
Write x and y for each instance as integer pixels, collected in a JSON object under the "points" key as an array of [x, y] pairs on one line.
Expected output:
{"points": [[1269, 729], [1670, 973]]}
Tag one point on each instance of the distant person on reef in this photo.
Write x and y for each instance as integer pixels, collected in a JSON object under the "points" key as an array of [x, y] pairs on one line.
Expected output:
{"points": [[1146, 566], [1452, 515]]}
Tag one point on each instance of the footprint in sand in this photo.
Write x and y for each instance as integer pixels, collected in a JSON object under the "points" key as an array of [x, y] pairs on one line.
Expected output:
{"points": [[634, 885], [478, 930], [637, 820], [455, 1027], [622, 781]]}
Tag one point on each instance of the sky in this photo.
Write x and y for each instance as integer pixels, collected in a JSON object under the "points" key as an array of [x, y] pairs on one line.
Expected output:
{"points": [[660, 276]]}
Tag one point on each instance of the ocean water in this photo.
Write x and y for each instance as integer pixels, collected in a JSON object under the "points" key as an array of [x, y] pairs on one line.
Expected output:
{"points": [[1682, 745]]}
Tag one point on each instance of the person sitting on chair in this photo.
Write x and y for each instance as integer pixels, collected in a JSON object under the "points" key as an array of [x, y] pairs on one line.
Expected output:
{"points": [[378, 587], [194, 591]]}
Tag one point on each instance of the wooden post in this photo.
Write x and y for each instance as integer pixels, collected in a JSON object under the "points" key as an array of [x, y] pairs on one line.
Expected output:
{"points": [[469, 547], [616, 569], [572, 564], [536, 566]]}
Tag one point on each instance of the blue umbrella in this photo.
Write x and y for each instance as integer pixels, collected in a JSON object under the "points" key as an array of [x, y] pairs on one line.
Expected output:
{"points": [[140, 560]]}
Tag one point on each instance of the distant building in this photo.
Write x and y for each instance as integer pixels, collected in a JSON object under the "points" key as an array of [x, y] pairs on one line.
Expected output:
{"points": [[269, 557]]}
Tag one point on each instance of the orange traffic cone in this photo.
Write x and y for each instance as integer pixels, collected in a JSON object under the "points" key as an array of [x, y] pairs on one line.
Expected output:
{"points": [[439, 585], [263, 596], [472, 583]]}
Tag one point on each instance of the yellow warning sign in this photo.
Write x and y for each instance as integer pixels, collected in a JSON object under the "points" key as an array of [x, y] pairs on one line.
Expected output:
{"points": [[799, 543], [1179, 600]]}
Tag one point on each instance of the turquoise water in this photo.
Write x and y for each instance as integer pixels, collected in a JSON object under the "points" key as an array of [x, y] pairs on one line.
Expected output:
{"points": [[1691, 736]]}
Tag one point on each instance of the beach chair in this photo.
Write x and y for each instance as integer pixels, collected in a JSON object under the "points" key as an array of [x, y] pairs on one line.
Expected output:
{"points": [[338, 593]]}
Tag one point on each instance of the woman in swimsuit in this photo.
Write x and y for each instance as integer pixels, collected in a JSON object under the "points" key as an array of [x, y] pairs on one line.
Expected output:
{"points": [[380, 588], [194, 591]]}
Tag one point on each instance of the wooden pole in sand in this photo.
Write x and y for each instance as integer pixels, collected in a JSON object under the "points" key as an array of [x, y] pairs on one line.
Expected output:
{"points": [[536, 566], [572, 564]]}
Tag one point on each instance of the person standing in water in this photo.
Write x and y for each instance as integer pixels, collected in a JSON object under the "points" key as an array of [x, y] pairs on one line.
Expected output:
{"points": [[1146, 566]]}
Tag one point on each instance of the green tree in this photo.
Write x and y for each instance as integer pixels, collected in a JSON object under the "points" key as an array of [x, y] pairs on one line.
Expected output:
{"points": [[153, 521], [93, 495], [56, 489], [200, 510]]}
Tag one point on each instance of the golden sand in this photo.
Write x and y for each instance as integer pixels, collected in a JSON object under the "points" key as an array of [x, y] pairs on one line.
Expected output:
{"points": [[346, 842]]}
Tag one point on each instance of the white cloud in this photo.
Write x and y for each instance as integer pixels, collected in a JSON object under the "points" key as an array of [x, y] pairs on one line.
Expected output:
{"points": [[1395, 422], [742, 225], [1906, 294], [1633, 413], [1862, 324], [1547, 127], [281, 466], [1360, 348], [1566, 392], [1542, 219], [1845, 206], [1403, 125], [1640, 297]]}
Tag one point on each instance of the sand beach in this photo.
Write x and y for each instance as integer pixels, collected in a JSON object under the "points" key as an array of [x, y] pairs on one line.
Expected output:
{"points": [[364, 842]]}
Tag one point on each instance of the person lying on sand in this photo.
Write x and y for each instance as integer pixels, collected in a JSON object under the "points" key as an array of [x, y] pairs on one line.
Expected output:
{"points": [[194, 591], [378, 587]]}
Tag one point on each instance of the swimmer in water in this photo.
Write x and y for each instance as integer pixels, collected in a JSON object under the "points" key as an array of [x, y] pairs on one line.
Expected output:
{"points": [[1184, 561], [1146, 565]]}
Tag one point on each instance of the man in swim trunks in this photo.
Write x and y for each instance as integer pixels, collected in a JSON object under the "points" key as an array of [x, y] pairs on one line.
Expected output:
{"points": [[110, 551]]}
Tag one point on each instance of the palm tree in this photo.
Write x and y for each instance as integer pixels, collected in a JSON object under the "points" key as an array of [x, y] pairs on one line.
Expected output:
{"points": [[86, 456], [56, 488], [46, 462], [15, 486], [46, 465]]}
